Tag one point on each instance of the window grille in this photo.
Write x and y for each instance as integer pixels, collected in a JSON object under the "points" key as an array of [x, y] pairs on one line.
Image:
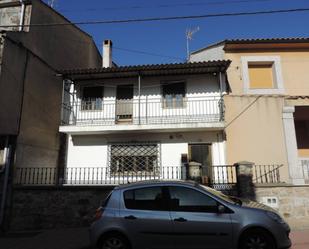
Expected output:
{"points": [[134, 158]]}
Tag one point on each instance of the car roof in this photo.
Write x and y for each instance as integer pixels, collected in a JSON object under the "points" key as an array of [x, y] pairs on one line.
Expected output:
{"points": [[156, 182]]}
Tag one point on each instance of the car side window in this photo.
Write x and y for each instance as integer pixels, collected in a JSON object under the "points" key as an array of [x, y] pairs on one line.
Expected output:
{"points": [[150, 198], [189, 200]]}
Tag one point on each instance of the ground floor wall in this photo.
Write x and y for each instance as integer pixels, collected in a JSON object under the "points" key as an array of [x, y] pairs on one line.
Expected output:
{"points": [[93, 150], [36, 208], [292, 202]]}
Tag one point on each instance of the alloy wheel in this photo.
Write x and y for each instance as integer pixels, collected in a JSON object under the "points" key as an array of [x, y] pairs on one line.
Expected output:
{"points": [[113, 243], [256, 242]]}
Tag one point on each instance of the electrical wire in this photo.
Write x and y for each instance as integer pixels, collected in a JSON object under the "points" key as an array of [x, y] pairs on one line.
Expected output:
{"points": [[155, 19], [167, 5], [148, 53]]}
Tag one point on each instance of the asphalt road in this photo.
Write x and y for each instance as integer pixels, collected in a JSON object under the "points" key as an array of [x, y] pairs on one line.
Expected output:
{"points": [[77, 238]]}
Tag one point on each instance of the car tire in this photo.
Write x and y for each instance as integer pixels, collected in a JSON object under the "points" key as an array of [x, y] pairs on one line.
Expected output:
{"points": [[114, 241], [257, 239]]}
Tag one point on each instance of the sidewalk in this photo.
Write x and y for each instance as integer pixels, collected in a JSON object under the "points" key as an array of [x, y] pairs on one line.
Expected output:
{"points": [[77, 238], [300, 239]]}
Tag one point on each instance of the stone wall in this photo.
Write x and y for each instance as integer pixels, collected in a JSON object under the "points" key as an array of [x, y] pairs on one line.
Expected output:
{"points": [[293, 202], [35, 208]]}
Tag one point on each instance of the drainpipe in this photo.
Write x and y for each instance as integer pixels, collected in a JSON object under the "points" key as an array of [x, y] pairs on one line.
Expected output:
{"points": [[221, 103], [7, 152], [22, 14], [62, 103], [139, 99]]}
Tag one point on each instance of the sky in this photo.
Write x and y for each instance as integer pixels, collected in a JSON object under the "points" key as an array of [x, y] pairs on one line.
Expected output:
{"points": [[165, 41]]}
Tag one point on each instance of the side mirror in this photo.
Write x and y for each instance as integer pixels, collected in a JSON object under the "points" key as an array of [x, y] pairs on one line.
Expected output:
{"points": [[221, 209]]}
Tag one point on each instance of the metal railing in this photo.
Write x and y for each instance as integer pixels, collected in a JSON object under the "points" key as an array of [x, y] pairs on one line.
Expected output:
{"points": [[304, 163], [222, 175], [266, 173], [144, 111], [217, 176], [94, 175]]}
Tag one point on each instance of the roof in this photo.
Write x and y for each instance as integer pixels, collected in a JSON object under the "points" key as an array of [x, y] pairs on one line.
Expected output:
{"points": [[147, 70], [154, 182], [260, 41]]}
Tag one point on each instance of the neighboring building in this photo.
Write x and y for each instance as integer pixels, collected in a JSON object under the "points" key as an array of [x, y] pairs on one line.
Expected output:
{"points": [[267, 109], [30, 92], [142, 122]]}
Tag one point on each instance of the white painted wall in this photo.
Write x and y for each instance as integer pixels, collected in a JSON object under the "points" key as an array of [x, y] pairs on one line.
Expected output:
{"points": [[202, 96], [213, 53], [91, 151]]}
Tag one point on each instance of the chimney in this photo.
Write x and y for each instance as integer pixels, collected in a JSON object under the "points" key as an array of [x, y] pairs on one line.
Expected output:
{"points": [[107, 53]]}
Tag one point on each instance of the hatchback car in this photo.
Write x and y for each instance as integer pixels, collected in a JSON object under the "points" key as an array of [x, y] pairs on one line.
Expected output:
{"points": [[184, 215]]}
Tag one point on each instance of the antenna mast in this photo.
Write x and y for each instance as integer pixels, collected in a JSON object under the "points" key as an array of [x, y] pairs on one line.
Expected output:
{"points": [[52, 3], [189, 37]]}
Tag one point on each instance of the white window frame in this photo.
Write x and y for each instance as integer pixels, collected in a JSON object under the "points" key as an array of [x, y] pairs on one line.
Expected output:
{"points": [[277, 74]]}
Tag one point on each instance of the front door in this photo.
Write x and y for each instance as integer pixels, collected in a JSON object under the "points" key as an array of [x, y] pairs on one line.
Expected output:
{"points": [[196, 221], [124, 103], [201, 153]]}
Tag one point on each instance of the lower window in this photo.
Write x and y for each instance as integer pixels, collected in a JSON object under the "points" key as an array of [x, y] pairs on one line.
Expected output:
{"points": [[134, 158]]}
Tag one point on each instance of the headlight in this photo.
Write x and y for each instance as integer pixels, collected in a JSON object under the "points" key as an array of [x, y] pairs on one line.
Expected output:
{"points": [[275, 217]]}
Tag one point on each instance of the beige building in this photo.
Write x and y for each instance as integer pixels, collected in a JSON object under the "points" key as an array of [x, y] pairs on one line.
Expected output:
{"points": [[267, 108]]}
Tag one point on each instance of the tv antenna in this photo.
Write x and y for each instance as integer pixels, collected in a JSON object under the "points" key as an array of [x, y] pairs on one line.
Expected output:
{"points": [[52, 3], [189, 37]]}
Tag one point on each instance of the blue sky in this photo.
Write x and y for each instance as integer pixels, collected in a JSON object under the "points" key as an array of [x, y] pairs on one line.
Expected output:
{"points": [[168, 38]]}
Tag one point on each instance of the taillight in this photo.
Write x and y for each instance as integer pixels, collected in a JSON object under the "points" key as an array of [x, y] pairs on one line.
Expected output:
{"points": [[98, 213]]}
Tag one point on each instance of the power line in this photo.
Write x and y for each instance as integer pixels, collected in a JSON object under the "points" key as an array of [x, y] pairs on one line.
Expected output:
{"points": [[168, 5], [148, 53], [242, 112], [153, 19]]}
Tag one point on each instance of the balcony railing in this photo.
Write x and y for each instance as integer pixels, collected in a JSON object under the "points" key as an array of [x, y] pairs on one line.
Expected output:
{"points": [[221, 175], [144, 111], [266, 174], [304, 163]]}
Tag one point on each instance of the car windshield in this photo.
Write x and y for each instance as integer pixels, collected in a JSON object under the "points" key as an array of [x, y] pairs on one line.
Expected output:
{"points": [[230, 199]]}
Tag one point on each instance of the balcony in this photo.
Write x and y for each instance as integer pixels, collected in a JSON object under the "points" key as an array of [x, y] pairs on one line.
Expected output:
{"points": [[144, 113]]}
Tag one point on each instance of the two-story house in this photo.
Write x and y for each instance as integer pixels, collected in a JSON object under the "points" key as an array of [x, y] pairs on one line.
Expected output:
{"points": [[141, 122], [267, 110]]}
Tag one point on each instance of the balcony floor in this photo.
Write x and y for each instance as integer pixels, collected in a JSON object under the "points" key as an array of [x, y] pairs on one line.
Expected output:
{"points": [[123, 128]]}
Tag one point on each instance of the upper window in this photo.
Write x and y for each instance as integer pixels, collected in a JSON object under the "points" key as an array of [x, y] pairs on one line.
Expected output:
{"points": [[92, 97], [150, 198], [134, 158], [262, 75], [173, 94], [189, 200]]}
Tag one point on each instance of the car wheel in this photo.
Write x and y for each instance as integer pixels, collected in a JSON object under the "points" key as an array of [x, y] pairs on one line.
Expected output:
{"points": [[257, 239], [114, 241]]}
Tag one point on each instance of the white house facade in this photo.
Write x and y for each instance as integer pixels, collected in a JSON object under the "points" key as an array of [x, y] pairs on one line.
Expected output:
{"points": [[143, 122]]}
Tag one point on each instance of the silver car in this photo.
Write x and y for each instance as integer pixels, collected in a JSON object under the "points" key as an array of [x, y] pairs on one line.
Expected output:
{"points": [[184, 215]]}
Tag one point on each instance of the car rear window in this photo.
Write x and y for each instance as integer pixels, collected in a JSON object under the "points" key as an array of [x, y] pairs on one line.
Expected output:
{"points": [[150, 198]]}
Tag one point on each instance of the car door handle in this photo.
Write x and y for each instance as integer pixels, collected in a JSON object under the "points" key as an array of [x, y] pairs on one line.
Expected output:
{"points": [[130, 217], [180, 219]]}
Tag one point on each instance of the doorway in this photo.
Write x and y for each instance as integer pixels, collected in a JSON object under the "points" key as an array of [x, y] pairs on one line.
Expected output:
{"points": [[201, 153], [124, 103]]}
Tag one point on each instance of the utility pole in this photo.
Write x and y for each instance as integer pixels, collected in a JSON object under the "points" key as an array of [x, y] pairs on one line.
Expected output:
{"points": [[189, 37]]}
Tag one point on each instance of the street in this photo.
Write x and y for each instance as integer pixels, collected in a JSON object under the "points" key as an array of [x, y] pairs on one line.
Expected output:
{"points": [[77, 238]]}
